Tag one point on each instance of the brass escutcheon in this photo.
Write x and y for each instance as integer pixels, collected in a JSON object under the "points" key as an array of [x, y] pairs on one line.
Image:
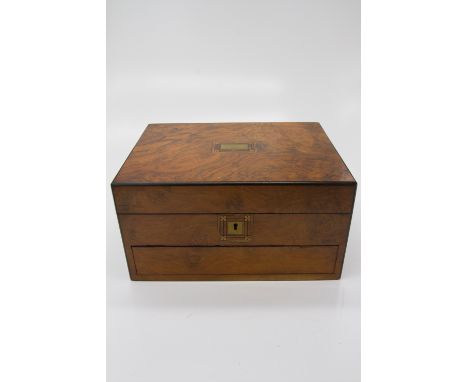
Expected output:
{"points": [[235, 228]]}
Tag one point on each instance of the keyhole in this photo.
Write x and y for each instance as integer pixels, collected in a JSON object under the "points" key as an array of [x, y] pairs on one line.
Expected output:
{"points": [[235, 226]]}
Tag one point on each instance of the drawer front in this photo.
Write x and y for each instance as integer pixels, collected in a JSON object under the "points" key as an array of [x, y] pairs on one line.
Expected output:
{"points": [[235, 199], [173, 261], [262, 229]]}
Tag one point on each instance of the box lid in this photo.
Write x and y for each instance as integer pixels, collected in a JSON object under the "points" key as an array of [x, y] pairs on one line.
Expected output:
{"points": [[206, 153]]}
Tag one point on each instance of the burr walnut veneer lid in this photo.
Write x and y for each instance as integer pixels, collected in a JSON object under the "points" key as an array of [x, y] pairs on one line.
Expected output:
{"points": [[233, 153]]}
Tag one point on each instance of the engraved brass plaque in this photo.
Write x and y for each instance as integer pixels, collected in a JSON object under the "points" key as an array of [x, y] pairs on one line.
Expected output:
{"points": [[229, 147], [234, 147]]}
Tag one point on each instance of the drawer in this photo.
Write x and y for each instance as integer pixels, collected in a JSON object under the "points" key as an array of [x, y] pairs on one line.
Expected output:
{"points": [[261, 229], [230, 261], [235, 199]]}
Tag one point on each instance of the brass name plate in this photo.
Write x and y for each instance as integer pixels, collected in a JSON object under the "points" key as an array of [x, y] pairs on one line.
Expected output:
{"points": [[234, 147]]}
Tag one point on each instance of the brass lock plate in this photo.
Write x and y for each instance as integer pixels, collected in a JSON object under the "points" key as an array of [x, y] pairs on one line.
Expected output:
{"points": [[235, 227]]}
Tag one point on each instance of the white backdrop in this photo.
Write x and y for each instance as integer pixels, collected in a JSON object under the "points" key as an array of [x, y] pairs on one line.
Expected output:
{"points": [[225, 61]]}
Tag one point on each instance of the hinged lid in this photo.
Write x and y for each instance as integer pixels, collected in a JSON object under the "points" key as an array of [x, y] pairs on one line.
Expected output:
{"points": [[193, 153]]}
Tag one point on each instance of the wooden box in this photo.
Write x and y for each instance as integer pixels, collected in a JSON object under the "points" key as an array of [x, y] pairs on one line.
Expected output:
{"points": [[234, 201]]}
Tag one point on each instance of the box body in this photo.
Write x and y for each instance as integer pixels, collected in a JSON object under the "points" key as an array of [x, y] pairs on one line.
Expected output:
{"points": [[244, 201]]}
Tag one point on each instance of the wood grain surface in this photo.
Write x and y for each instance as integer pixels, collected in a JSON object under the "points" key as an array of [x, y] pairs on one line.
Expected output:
{"points": [[234, 260], [265, 229], [184, 153], [235, 199]]}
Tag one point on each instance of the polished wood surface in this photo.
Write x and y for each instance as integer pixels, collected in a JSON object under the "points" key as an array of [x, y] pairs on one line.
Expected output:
{"points": [[235, 199], [234, 260], [185, 153], [288, 182], [265, 229]]}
